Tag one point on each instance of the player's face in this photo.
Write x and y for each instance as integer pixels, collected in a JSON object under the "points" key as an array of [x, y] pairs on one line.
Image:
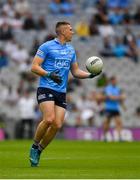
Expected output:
{"points": [[68, 33], [114, 81]]}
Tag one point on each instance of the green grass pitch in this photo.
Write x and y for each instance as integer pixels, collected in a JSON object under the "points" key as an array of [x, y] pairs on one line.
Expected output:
{"points": [[71, 160]]}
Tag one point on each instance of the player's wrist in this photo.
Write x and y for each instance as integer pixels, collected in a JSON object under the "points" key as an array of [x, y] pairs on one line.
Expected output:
{"points": [[91, 75], [48, 74]]}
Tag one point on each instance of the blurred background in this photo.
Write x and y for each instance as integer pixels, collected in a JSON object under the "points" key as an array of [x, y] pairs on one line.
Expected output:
{"points": [[109, 29]]}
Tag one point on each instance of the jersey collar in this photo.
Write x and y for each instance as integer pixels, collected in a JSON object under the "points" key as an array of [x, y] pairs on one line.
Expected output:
{"points": [[57, 41]]}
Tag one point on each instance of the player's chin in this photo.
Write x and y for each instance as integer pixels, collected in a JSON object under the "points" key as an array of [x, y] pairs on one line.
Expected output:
{"points": [[69, 39]]}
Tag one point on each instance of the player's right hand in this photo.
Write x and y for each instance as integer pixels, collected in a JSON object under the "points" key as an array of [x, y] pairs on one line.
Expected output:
{"points": [[55, 77]]}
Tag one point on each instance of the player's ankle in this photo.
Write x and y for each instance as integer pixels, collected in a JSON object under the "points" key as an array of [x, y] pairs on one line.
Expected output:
{"points": [[40, 148], [35, 145]]}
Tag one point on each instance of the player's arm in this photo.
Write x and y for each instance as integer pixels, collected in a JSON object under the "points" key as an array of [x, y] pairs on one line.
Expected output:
{"points": [[108, 95], [113, 98], [78, 73], [37, 69], [120, 97]]}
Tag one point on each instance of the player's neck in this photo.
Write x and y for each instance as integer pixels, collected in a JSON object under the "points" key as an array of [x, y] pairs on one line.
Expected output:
{"points": [[61, 39]]}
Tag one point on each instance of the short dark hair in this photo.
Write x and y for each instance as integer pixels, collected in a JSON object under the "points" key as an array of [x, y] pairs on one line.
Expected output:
{"points": [[112, 78], [59, 24]]}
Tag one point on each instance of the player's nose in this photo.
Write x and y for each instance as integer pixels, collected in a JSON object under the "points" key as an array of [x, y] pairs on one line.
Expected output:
{"points": [[73, 32]]}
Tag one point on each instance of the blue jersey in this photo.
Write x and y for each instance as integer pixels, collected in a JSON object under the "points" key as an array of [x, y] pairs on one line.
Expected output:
{"points": [[56, 56], [111, 90]]}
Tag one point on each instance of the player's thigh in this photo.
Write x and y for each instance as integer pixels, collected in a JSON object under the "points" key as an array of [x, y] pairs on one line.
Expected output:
{"points": [[108, 117], [59, 116], [118, 120], [106, 122], [48, 110]]}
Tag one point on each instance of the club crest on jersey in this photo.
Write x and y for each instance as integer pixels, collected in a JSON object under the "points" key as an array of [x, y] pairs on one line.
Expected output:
{"points": [[50, 95], [39, 52]]}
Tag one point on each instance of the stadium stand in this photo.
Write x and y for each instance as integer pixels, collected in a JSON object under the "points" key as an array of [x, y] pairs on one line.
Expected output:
{"points": [[15, 77]]}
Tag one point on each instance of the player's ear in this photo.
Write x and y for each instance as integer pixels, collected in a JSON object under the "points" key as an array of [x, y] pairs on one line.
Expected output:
{"points": [[63, 31]]}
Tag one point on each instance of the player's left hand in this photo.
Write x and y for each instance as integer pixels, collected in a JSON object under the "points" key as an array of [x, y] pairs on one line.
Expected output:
{"points": [[94, 75]]}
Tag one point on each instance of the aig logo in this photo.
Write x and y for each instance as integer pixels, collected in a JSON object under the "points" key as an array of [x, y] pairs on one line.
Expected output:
{"points": [[62, 63]]}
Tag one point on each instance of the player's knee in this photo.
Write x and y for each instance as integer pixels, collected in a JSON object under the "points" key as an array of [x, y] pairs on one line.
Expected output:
{"points": [[119, 124], [57, 125], [49, 119]]}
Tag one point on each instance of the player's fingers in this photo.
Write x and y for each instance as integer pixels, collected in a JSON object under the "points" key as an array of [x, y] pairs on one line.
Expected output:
{"points": [[59, 80], [99, 72], [57, 71]]}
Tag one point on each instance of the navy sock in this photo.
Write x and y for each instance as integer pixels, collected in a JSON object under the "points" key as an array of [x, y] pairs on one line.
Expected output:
{"points": [[35, 146], [39, 152], [40, 148]]}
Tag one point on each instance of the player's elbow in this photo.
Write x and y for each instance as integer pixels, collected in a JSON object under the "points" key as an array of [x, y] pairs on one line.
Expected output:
{"points": [[75, 74], [33, 69]]}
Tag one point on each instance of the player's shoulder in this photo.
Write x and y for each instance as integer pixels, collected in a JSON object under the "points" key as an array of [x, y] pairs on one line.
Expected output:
{"points": [[119, 88], [70, 47], [107, 88], [47, 43]]}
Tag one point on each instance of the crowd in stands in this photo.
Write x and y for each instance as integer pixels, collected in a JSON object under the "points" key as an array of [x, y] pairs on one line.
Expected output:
{"points": [[121, 47], [115, 12], [3, 59], [17, 15], [62, 7], [105, 16]]}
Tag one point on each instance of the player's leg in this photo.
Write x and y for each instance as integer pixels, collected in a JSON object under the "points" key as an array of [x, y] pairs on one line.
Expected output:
{"points": [[106, 125], [60, 106], [48, 112], [118, 125], [56, 125]]}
